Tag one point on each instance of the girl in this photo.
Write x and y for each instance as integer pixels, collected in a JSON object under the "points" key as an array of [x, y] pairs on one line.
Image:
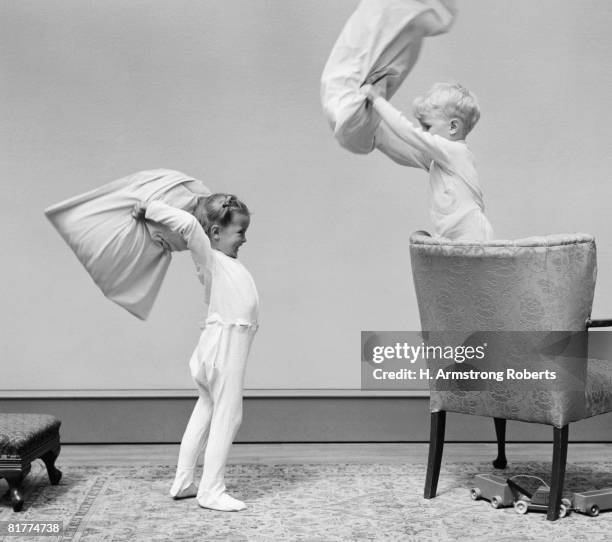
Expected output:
{"points": [[218, 362]]}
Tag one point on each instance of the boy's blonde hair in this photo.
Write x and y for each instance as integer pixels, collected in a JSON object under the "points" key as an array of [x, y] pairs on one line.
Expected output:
{"points": [[452, 100]]}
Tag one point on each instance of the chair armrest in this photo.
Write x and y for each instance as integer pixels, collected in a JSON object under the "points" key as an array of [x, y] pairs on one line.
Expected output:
{"points": [[598, 323]]}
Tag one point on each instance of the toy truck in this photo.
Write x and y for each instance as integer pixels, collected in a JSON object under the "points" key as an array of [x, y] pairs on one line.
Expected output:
{"points": [[592, 502], [493, 488]]}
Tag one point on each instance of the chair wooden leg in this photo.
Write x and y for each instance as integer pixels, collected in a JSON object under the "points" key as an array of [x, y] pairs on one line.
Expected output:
{"points": [[500, 431], [558, 471], [436, 447]]}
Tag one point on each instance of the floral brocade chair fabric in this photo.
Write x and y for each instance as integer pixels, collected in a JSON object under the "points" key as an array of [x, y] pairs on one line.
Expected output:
{"points": [[537, 284]]}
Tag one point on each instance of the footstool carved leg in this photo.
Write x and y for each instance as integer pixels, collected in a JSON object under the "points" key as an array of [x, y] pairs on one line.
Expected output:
{"points": [[55, 475], [25, 437], [14, 482]]}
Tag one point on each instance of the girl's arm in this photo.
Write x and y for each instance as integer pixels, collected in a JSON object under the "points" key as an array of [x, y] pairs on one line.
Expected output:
{"points": [[189, 229]]}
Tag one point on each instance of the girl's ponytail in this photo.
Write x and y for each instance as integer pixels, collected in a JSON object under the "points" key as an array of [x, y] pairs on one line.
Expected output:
{"points": [[219, 209]]}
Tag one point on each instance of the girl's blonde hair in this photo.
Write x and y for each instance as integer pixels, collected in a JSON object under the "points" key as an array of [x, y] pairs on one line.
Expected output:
{"points": [[219, 209], [452, 100]]}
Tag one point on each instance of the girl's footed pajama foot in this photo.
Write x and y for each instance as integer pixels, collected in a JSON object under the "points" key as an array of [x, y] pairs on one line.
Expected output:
{"points": [[190, 491], [183, 486], [223, 502]]}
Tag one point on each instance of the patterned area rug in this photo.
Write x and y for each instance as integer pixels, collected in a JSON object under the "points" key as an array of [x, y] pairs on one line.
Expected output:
{"points": [[312, 502]]}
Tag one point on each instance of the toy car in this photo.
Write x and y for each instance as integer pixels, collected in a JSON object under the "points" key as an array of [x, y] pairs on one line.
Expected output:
{"points": [[538, 501], [591, 502], [493, 488]]}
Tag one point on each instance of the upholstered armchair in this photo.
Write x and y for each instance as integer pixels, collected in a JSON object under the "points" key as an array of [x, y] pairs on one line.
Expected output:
{"points": [[538, 284]]}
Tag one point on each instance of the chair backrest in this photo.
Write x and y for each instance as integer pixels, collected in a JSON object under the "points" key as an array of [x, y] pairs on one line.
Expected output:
{"points": [[537, 283], [534, 284]]}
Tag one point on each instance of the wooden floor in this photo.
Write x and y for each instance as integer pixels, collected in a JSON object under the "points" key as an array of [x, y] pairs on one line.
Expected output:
{"points": [[156, 454]]}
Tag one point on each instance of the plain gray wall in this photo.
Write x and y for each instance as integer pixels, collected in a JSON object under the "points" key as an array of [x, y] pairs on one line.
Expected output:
{"points": [[229, 93]]}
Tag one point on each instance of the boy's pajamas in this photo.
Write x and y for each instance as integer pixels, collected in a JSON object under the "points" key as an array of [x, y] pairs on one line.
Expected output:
{"points": [[456, 204]]}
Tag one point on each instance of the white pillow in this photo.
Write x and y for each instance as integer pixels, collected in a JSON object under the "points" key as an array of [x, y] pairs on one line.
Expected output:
{"points": [[119, 252], [379, 44]]}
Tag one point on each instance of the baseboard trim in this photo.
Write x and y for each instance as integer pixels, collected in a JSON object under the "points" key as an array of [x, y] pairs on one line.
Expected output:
{"points": [[192, 393], [285, 419]]}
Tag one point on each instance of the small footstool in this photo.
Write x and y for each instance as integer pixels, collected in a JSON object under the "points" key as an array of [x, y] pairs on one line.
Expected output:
{"points": [[24, 438]]}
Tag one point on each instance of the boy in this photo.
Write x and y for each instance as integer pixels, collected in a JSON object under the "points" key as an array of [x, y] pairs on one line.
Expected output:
{"points": [[447, 114]]}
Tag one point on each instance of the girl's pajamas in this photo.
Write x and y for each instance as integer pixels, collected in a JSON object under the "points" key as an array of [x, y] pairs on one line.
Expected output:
{"points": [[218, 362]]}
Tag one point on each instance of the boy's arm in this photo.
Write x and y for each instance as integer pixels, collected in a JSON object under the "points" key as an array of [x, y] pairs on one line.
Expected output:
{"points": [[189, 229], [431, 146], [397, 149]]}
